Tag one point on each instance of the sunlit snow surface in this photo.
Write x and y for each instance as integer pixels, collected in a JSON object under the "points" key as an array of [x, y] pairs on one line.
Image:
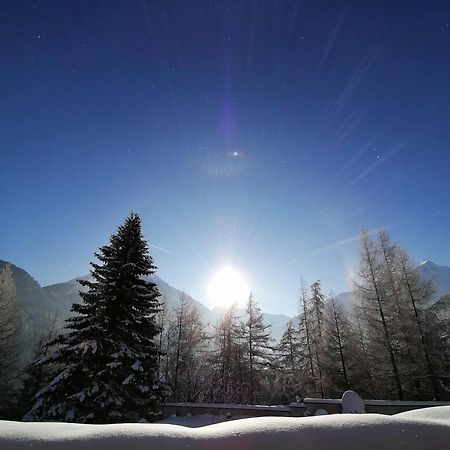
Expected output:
{"points": [[424, 429]]}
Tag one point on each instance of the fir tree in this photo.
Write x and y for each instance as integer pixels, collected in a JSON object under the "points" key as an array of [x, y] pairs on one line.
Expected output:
{"points": [[106, 365]]}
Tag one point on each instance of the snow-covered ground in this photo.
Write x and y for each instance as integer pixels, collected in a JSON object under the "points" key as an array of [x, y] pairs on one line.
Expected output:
{"points": [[199, 420], [415, 430]]}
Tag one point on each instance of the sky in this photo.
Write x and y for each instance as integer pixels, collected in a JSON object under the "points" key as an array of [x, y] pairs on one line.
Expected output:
{"points": [[259, 135]]}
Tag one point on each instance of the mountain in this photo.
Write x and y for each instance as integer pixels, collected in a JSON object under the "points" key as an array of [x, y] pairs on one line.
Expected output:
{"points": [[63, 295], [438, 275], [278, 322], [427, 270], [40, 304], [345, 299], [36, 308], [442, 308]]}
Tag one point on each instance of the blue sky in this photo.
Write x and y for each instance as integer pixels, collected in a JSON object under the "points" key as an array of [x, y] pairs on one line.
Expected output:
{"points": [[260, 135]]}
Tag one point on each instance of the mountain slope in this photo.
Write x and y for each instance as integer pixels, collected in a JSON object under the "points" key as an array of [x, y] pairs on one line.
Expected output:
{"points": [[36, 308], [39, 304], [438, 275], [63, 295], [427, 270]]}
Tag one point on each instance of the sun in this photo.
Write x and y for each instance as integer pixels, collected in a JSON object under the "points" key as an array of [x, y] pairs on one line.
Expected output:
{"points": [[228, 286]]}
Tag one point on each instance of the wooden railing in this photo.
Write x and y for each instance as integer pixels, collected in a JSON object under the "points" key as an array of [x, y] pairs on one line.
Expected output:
{"points": [[308, 407]]}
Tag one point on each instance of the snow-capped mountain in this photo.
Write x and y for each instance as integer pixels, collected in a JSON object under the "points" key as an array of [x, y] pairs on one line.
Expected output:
{"points": [[438, 275], [39, 304]]}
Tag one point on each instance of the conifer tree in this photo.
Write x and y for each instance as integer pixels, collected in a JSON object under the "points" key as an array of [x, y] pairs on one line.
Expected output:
{"points": [[305, 328], [379, 310], [316, 307], [227, 382], [256, 338], [423, 329], [106, 366], [289, 362], [337, 336], [36, 375], [186, 351], [10, 330]]}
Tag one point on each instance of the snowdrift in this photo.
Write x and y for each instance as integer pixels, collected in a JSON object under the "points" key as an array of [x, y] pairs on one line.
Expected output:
{"points": [[416, 430]]}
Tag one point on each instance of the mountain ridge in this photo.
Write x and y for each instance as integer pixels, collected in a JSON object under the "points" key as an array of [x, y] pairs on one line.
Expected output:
{"points": [[40, 303]]}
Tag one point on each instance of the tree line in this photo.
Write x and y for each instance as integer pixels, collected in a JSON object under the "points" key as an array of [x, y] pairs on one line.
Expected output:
{"points": [[125, 351], [388, 344]]}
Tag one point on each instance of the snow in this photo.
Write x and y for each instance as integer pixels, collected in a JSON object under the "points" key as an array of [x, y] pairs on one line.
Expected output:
{"points": [[196, 421], [427, 428], [232, 406], [425, 261], [352, 403], [137, 366], [437, 414], [128, 379]]}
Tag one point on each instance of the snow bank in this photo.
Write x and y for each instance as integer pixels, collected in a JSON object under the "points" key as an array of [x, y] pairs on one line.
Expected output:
{"points": [[437, 414], [426, 429], [198, 420]]}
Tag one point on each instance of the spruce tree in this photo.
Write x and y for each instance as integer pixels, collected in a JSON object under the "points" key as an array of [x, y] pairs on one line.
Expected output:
{"points": [[106, 365]]}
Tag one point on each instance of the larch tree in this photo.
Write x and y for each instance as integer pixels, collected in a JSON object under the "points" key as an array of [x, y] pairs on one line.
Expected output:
{"points": [[423, 327], [378, 311], [337, 336], [106, 365], [361, 364], [289, 361], [36, 375], [10, 334], [256, 338], [400, 314], [316, 308], [227, 382], [162, 320], [186, 351], [305, 328]]}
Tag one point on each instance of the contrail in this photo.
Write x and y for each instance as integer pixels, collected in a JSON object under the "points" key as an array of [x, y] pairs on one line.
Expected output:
{"points": [[161, 248], [340, 243]]}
